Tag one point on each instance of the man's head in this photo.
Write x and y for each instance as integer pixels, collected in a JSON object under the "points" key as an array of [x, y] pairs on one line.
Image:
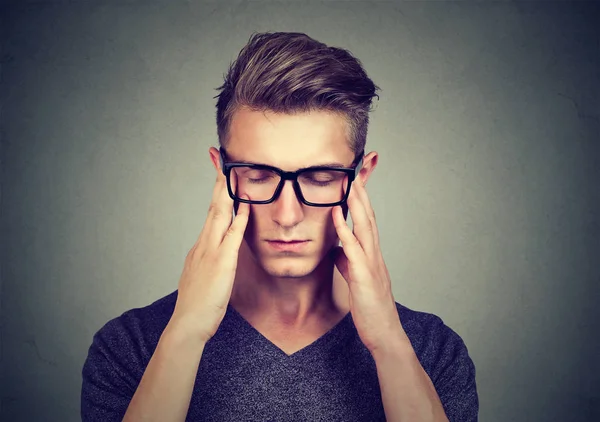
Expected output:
{"points": [[291, 102]]}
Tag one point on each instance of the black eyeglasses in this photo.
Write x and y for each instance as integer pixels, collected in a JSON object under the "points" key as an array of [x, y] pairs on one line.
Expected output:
{"points": [[317, 186]]}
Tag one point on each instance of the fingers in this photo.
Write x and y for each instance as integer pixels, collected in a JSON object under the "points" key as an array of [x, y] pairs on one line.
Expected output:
{"points": [[352, 247], [363, 229], [220, 213], [235, 233], [364, 197], [218, 218]]}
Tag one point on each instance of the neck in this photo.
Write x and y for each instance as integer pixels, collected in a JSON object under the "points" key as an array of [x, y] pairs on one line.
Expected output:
{"points": [[293, 302]]}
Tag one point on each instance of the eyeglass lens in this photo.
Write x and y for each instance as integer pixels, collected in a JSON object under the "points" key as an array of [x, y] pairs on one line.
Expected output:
{"points": [[319, 186]]}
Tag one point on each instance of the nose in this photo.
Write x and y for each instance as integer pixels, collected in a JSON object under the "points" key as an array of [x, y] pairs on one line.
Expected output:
{"points": [[287, 209]]}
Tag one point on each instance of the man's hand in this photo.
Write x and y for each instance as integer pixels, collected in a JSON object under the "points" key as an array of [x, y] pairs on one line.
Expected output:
{"points": [[206, 283], [360, 262]]}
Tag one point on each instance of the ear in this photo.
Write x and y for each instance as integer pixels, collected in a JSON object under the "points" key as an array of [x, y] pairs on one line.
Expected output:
{"points": [[215, 157], [369, 164]]}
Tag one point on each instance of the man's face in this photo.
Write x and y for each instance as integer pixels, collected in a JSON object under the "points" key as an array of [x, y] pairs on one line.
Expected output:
{"points": [[289, 142]]}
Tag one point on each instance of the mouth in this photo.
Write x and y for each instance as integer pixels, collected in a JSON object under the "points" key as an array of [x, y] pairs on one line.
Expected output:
{"points": [[287, 245]]}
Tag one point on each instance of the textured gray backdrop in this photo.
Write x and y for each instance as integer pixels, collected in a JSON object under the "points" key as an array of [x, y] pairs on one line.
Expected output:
{"points": [[486, 192]]}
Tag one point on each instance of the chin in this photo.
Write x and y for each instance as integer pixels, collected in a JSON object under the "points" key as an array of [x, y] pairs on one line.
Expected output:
{"points": [[289, 266]]}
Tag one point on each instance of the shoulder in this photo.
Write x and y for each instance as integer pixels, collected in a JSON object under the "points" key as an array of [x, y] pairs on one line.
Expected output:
{"points": [[144, 324], [433, 341], [131, 338], [441, 351], [146, 318], [445, 357], [426, 330]]}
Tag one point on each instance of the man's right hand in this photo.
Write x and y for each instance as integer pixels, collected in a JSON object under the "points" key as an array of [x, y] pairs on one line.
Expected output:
{"points": [[165, 390], [206, 283]]}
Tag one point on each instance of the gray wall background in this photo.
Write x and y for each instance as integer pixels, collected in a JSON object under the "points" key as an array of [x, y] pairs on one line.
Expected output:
{"points": [[486, 192]]}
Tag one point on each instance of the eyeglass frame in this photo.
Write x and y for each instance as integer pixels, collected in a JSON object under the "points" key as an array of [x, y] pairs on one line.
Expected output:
{"points": [[351, 172]]}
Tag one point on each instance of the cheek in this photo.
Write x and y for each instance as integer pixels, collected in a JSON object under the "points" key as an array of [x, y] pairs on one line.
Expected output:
{"points": [[256, 222], [328, 228]]}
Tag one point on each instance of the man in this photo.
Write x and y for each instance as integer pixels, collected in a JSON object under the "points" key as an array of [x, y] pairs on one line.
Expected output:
{"points": [[261, 328]]}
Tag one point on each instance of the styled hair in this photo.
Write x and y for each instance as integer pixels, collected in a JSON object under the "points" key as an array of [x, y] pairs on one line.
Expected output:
{"points": [[290, 72]]}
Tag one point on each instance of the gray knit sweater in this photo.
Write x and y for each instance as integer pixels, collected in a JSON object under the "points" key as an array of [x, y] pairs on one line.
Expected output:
{"points": [[244, 377]]}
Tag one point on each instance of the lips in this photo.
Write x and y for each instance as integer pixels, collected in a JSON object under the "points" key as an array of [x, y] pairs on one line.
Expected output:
{"points": [[288, 245]]}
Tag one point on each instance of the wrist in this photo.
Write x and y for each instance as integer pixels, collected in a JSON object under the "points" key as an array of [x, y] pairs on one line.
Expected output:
{"points": [[394, 348], [179, 332]]}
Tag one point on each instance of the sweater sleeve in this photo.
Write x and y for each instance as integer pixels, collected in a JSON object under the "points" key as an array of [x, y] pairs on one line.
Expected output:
{"points": [[110, 374], [452, 372]]}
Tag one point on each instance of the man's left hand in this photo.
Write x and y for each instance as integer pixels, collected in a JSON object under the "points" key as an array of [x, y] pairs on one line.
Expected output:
{"points": [[361, 263]]}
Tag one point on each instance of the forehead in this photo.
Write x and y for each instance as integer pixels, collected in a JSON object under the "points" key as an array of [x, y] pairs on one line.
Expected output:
{"points": [[289, 141]]}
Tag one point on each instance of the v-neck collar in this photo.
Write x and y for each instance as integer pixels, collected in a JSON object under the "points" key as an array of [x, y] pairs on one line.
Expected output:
{"points": [[324, 342]]}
